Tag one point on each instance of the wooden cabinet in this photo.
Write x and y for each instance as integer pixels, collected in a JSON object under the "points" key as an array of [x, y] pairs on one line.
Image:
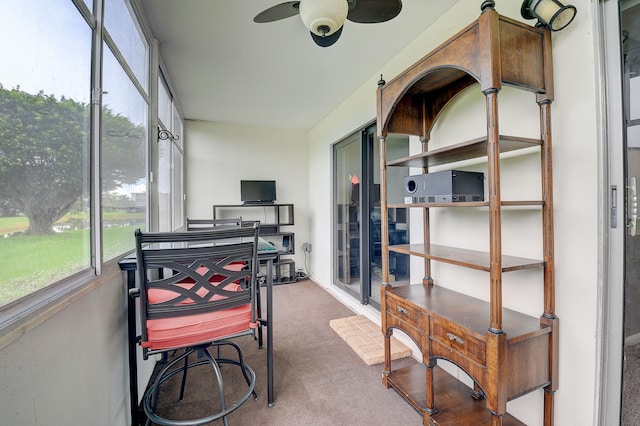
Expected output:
{"points": [[506, 353]]}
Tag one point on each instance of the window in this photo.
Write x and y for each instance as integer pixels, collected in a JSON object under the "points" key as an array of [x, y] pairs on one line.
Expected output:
{"points": [[124, 154], [123, 27], [124, 129], [45, 86], [48, 171], [170, 162], [164, 104], [177, 193]]}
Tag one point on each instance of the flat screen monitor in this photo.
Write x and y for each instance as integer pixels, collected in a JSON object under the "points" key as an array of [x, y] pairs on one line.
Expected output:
{"points": [[258, 191]]}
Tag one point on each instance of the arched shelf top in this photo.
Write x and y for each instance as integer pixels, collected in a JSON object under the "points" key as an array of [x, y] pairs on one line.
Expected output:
{"points": [[492, 51]]}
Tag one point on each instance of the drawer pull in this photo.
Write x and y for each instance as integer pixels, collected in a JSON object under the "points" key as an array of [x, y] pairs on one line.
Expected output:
{"points": [[455, 338], [402, 310]]}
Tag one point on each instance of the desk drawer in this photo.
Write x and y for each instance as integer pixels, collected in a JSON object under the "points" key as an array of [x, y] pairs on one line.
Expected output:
{"points": [[404, 310], [458, 340]]}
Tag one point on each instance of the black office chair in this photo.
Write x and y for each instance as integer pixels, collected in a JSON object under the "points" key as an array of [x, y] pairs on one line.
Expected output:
{"points": [[193, 297]]}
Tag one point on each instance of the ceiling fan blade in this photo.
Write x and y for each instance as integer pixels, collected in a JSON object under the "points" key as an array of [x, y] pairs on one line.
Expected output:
{"points": [[277, 12], [374, 11], [326, 41]]}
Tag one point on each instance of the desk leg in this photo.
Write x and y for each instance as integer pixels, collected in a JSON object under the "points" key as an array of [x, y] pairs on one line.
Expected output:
{"points": [[270, 397], [259, 309], [133, 360]]}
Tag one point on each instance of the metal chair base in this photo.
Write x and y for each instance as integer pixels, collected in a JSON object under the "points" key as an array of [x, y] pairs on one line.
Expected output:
{"points": [[150, 399]]}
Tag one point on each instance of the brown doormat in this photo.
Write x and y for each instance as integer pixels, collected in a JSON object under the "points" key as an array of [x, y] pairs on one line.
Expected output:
{"points": [[366, 339]]}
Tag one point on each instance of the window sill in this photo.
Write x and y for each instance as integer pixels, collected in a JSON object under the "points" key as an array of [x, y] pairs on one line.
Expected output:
{"points": [[22, 315]]}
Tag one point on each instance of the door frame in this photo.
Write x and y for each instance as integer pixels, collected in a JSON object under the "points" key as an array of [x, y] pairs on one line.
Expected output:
{"points": [[363, 295]]}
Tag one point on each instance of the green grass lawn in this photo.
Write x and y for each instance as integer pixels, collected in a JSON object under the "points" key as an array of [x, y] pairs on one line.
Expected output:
{"points": [[9, 225], [30, 262]]}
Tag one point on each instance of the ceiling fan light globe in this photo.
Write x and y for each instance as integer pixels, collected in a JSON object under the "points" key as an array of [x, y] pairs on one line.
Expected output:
{"points": [[323, 17]]}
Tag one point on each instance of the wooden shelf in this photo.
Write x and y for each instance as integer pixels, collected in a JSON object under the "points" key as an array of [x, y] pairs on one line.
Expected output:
{"points": [[523, 203], [474, 148], [467, 258], [453, 401]]}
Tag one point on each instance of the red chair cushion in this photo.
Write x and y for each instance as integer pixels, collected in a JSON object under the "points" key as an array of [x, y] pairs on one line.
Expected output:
{"points": [[178, 332]]}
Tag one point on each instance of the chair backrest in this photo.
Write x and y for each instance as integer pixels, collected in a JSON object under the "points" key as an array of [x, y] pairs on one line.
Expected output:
{"points": [[202, 224], [196, 272]]}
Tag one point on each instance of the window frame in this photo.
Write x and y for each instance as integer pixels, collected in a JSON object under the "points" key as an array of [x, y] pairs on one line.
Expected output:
{"points": [[176, 140], [23, 314]]}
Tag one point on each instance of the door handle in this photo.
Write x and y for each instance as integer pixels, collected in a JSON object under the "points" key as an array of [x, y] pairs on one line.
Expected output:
{"points": [[632, 206]]}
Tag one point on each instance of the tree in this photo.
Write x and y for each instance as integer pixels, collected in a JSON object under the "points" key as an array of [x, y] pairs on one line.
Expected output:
{"points": [[44, 154]]}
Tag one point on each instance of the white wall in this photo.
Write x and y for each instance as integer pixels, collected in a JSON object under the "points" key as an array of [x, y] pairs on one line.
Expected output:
{"points": [[73, 368], [575, 196], [218, 156]]}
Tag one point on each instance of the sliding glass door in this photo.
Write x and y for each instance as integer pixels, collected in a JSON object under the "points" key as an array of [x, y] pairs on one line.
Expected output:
{"points": [[630, 42], [357, 242], [347, 159]]}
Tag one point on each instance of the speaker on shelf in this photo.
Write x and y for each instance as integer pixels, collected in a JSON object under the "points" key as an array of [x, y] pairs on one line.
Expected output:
{"points": [[447, 186]]}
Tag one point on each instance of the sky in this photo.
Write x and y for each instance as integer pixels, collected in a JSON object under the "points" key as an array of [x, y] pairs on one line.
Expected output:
{"points": [[37, 58], [46, 46]]}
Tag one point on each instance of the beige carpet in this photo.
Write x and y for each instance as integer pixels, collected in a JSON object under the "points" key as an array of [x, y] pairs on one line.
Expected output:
{"points": [[318, 379], [365, 338]]}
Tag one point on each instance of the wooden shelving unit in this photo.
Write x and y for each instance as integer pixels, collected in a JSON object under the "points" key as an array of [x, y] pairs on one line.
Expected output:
{"points": [[507, 354]]}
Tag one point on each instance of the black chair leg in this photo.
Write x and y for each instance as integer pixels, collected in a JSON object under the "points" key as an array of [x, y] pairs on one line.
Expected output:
{"points": [[150, 399], [185, 368], [240, 362], [216, 369]]}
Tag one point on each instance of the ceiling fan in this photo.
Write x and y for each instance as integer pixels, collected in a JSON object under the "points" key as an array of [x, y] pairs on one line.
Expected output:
{"points": [[325, 18]]}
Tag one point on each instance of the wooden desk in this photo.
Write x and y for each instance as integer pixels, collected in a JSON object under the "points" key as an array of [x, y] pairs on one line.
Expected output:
{"points": [[129, 267]]}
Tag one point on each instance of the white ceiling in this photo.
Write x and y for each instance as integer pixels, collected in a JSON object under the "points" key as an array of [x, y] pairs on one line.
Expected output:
{"points": [[226, 68]]}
